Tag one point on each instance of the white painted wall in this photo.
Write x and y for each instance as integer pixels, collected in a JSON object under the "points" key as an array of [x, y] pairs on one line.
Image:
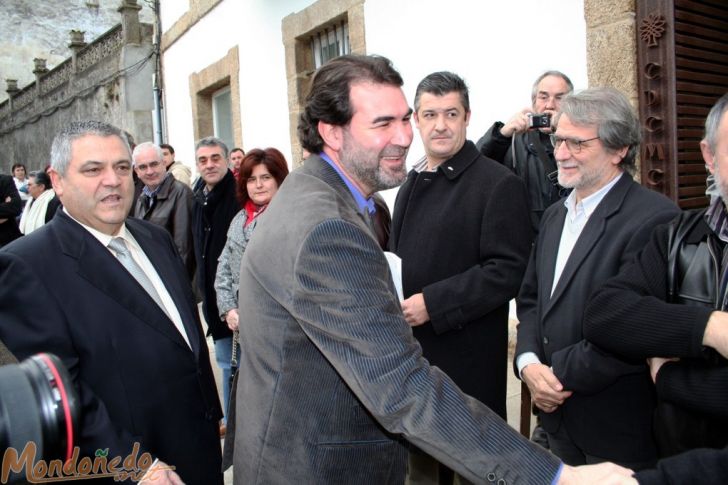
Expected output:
{"points": [[255, 27], [171, 11], [498, 47]]}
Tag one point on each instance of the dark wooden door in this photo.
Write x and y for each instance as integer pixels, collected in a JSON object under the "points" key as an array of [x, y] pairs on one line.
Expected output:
{"points": [[682, 49]]}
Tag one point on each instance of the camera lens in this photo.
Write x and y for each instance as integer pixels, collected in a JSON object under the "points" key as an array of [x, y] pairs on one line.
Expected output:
{"points": [[38, 404]]}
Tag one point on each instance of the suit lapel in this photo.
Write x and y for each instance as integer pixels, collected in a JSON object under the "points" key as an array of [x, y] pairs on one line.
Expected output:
{"points": [[590, 236], [114, 280], [164, 267], [551, 238]]}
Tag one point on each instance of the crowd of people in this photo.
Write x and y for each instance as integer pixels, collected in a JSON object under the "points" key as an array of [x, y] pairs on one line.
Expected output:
{"points": [[330, 376]]}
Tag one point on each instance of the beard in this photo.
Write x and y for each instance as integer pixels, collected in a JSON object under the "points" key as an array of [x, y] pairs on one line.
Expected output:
{"points": [[366, 168], [719, 185], [589, 176]]}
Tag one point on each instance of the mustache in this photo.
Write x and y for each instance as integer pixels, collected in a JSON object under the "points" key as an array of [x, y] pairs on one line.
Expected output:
{"points": [[393, 152]]}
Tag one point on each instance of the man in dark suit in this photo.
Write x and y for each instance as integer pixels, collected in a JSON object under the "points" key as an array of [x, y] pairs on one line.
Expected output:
{"points": [[462, 228], [111, 298], [331, 380], [594, 407], [10, 208]]}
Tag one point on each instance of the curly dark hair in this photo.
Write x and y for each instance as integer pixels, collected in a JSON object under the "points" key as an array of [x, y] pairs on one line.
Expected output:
{"points": [[328, 100]]}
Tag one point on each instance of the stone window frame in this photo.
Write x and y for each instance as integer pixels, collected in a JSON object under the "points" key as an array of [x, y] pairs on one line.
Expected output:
{"points": [[297, 29], [206, 82]]}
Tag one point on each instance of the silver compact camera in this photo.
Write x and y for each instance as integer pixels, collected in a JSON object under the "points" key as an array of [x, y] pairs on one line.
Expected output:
{"points": [[539, 120]]}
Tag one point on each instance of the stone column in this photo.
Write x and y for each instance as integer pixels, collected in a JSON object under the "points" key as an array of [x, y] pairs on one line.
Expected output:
{"points": [[11, 89], [39, 70], [77, 43], [130, 26]]}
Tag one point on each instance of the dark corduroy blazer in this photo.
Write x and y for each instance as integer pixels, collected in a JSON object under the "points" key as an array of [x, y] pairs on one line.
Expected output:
{"points": [[331, 378]]}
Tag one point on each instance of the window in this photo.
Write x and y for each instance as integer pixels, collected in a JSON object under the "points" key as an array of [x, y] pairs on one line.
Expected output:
{"points": [[215, 94], [330, 42], [320, 32], [222, 120]]}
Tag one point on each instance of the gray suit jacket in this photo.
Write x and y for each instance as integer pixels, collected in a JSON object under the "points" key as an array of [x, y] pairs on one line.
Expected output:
{"points": [[331, 378]]}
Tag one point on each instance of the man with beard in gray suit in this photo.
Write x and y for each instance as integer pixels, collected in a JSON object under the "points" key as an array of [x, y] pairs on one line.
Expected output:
{"points": [[331, 380]]}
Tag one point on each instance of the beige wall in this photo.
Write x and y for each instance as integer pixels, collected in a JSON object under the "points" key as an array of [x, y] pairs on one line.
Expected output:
{"points": [[224, 72], [611, 47], [299, 64], [611, 44]]}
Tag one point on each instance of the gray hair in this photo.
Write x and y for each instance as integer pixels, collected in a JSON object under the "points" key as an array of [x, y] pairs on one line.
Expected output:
{"points": [[712, 122], [610, 111], [146, 146], [61, 146], [41, 178], [534, 89], [211, 141], [440, 84]]}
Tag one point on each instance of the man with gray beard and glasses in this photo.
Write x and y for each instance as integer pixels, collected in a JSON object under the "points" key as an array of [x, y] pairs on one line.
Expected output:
{"points": [[594, 406]]}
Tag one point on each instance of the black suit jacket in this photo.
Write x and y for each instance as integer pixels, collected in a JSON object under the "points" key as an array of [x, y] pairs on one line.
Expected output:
{"points": [[702, 465], [211, 217], [464, 236], [610, 413], [61, 291], [9, 210]]}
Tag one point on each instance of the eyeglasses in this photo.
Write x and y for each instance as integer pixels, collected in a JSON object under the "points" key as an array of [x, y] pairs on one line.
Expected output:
{"points": [[574, 146]]}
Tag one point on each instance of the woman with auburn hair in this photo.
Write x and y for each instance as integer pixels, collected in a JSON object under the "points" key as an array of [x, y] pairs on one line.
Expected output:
{"points": [[261, 173]]}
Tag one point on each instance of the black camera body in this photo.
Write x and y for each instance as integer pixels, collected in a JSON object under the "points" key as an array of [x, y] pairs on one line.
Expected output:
{"points": [[539, 120]]}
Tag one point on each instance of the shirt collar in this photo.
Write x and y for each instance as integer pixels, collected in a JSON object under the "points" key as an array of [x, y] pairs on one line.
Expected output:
{"points": [[363, 203], [716, 216], [151, 193], [420, 166], [104, 239], [589, 204]]}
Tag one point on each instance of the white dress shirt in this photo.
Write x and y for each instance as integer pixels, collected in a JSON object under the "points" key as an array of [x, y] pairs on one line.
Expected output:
{"points": [[143, 261], [577, 215]]}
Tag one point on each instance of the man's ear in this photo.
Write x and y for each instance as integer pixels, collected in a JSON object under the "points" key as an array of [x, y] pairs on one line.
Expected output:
{"points": [[57, 181], [707, 155], [417, 119], [621, 153], [332, 135]]}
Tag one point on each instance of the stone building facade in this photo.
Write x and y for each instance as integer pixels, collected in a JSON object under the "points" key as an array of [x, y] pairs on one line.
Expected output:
{"points": [[40, 29], [107, 79]]}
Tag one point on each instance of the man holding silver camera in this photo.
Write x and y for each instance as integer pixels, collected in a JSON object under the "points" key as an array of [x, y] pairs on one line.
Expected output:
{"points": [[523, 145]]}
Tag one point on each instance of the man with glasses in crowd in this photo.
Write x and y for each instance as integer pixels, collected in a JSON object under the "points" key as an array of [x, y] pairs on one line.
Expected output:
{"points": [[522, 143], [593, 406], [164, 201]]}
